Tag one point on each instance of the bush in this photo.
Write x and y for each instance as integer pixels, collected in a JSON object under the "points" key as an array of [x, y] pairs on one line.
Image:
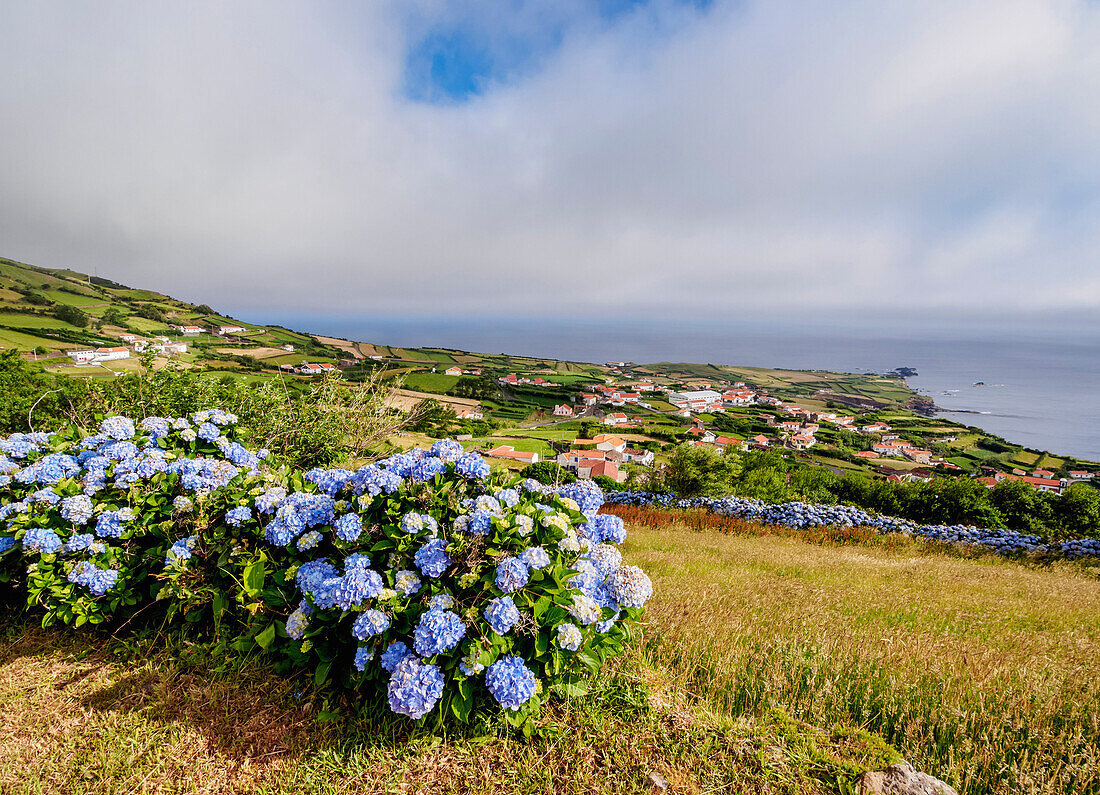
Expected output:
{"points": [[71, 315], [422, 578], [548, 473]]}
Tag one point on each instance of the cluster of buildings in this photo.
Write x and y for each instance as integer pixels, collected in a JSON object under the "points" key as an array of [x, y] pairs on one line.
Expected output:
{"points": [[192, 331], [459, 370], [602, 455], [161, 345]]}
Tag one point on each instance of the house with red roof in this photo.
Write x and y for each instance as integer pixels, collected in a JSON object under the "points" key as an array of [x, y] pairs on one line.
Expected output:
{"points": [[617, 418], [563, 411], [512, 454], [313, 368]]}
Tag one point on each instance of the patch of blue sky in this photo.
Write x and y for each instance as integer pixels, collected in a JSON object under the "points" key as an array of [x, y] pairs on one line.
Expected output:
{"points": [[465, 56]]}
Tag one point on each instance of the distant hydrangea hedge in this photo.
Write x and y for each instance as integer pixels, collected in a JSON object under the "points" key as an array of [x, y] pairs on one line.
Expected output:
{"points": [[801, 515], [422, 577]]}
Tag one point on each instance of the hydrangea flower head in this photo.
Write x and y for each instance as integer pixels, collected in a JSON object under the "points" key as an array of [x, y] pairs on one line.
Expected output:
{"points": [[629, 586], [394, 654], [502, 614], [370, 623], [437, 631], [569, 637], [348, 527], [510, 682], [414, 688], [512, 575], [432, 558]]}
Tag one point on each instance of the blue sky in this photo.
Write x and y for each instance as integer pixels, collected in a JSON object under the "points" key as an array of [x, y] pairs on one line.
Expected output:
{"points": [[563, 158]]}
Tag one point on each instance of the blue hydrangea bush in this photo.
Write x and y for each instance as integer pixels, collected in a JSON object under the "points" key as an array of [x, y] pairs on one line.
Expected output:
{"points": [[423, 577]]}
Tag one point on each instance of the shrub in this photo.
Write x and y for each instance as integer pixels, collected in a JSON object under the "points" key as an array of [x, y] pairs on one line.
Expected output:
{"points": [[423, 577], [71, 315]]}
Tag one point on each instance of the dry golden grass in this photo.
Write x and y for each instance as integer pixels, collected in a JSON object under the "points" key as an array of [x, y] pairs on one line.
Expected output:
{"points": [[984, 671]]}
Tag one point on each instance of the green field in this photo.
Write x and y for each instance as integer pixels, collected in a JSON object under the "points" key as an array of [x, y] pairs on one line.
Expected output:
{"points": [[437, 383]]}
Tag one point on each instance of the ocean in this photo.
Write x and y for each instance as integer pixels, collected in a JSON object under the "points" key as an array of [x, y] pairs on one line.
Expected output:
{"points": [[1041, 388]]}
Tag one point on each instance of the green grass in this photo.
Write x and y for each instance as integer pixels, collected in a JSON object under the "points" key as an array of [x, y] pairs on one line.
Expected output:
{"points": [[26, 342], [437, 383]]}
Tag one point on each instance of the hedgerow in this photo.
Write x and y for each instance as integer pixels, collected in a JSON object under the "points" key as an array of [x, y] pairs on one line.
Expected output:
{"points": [[422, 576]]}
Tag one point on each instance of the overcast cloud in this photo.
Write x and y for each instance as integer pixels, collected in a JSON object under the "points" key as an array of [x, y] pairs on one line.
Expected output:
{"points": [[674, 158]]}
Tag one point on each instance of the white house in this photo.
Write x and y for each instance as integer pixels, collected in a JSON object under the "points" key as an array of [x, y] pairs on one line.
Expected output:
{"points": [[110, 354], [189, 330], [470, 414], [129, 339], [605, 441], [453, 371], [641, 457], [563, 411], [618, 418], [223, 330], [170, 347], [309, 368], [288, 347], [81, 357], [705, 397]]}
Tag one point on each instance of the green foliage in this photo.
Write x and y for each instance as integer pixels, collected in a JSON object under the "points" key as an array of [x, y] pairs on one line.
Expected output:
{"points": [[548, 473], [700, 471], [71, 315], [478, 387], [431, 415]]}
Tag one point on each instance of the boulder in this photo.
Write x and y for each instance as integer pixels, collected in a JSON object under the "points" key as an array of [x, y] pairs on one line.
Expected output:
{"points": [[901, 779]]}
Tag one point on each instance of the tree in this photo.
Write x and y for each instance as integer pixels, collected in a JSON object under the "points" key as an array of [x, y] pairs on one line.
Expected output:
{"points": [[701, 471], [429, 414], [548, 473], [71, 315], [112, 317]]}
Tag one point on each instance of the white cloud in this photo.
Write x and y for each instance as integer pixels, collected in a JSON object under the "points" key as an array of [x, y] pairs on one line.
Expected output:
{"points": [[758, 156]]}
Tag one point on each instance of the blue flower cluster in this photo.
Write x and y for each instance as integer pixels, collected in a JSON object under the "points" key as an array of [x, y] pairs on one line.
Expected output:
{"points": [[463, 572], [803, 515]]}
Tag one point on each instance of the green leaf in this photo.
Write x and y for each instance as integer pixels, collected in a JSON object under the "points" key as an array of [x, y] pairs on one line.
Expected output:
{"points": [[321, 674], [254, 577], [266, 637]]}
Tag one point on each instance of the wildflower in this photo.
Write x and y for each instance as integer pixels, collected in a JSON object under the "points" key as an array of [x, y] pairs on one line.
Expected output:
{"points": [[208, 432], [414, 688], [507, 497], [180, 551], [569, 637], [182, 504], [413, 523], [470, 665], [6, 543], [502, 614], [510, 682], [442, 601], [77, 510], [309, 540]]}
